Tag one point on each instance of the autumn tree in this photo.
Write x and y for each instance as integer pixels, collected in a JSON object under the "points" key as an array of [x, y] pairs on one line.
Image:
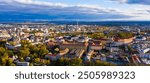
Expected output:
{"points": [[63, 62], [2, 51], [76, 62], [43, 51], [24, 52]]}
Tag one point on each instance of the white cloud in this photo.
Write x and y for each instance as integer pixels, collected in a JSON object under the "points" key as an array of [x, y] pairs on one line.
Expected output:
{"points": [[121, 1], [67, 11], [144, 2], [34, 2]]}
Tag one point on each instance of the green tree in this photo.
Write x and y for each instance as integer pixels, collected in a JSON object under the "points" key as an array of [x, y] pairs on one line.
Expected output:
{"points": [[46, 62], [24, 52], [2, 43], [76, 62], [12, 43], [31, 64], [34, 49], [2, 51], [10, 52], [97, 35], [63, 62], [102, 63], [25, 43], [9, 62], [43, 51], [37, 60], [33, 55], [125, 35], [3, 59]]}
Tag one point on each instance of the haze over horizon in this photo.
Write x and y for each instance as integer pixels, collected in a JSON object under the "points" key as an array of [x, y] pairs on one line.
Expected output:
{"points": [[72, 10]]}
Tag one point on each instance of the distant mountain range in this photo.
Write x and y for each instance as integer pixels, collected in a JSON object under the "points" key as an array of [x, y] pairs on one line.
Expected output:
{"points": [[20, 17], [106, 23], [103, 23]]}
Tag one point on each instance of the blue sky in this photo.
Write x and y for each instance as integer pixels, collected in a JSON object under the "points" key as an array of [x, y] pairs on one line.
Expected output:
{"points": [[91, 10]]}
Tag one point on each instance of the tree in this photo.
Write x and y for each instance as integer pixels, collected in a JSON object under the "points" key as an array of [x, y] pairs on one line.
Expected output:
{"points": [[21, 59], [111, 34], [97, 35], [125, 35], [31, 64], [24, 52], [37, 61], [10, 52], [34, 49], [9, 62], [43, 51], [46, 62], [102, 63], [76, 62], [33, 55], [2, 51], [12, 64], [63, 62], [25, 43], [12, 43], [88, 63], [3, 59]]}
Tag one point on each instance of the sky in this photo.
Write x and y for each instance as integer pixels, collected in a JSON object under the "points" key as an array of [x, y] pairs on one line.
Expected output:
{"points": [[72, 10]]}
